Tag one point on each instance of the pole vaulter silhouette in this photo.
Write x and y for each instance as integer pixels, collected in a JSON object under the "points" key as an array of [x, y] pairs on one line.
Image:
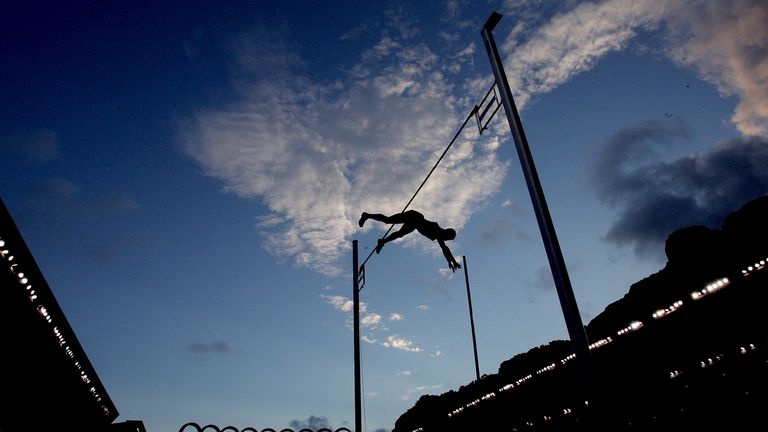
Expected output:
{"points": [[415, 221]]}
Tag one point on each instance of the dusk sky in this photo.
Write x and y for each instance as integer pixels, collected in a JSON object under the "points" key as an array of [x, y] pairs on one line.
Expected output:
{"points": [[189, 177]]}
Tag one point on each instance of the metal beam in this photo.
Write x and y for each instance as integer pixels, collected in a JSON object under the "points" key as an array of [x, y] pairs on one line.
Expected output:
{"points": [[356, 311], [554, 254], [471, 317]]}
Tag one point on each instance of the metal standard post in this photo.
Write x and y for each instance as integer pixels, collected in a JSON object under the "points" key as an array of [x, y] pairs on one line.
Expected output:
{"points": [[471, 317], [356, 311], [554, 254]]}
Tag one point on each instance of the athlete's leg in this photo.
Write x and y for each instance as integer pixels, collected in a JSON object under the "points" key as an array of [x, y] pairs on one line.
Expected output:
{"points": [[405, 230], [396, 218]]}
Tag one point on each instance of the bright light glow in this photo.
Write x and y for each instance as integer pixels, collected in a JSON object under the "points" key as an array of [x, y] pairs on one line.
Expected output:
{"points": [[712, 287], [600, 343], [2, 243]]}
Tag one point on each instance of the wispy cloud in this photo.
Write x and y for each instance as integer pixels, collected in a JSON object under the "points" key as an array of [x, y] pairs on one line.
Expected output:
{"points": [[342, 303], [571, 42], [725, 42], [371, 320], [395, 341], [376, 333], [319, 154]]}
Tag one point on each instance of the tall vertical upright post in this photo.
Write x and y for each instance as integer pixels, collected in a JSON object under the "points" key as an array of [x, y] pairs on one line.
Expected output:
{"points": [[554, 254], [356, 312], [471, 317]]}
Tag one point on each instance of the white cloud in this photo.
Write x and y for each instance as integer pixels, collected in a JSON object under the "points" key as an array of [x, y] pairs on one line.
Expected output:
{"points": [[405, 373], [371, 320], [318, 155], [725, 42], [394, 341], [342, 303], [423, 307], [509, 204], [572, 42]]}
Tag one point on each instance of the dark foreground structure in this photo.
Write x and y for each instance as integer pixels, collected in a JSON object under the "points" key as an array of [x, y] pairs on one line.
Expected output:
{"points": [[685, 349], [49, 382]]}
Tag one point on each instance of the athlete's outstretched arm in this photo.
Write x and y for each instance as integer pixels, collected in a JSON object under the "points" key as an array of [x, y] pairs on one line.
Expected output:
{"points": [[452, 263]]}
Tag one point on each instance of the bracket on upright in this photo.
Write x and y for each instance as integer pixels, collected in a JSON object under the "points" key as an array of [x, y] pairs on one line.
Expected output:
{"points": [[361, 278], [490, 102]]}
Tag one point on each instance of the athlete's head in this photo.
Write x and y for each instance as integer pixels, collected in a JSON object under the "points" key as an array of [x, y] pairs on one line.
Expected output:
{"points": [[449, 234]]}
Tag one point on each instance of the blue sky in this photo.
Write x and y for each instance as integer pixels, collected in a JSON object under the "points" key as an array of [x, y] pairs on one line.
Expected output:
{"points": [[189, 179]]}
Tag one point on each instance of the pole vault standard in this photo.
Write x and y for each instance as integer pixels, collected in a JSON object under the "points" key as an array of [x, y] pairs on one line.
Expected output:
{"points": [[471, 317], [356, 313], [554, 254], [358, 272]]}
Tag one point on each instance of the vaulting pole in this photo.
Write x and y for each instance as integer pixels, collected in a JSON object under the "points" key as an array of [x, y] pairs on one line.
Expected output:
{"points": [[471, 316], [356, 312], [554, 254]]}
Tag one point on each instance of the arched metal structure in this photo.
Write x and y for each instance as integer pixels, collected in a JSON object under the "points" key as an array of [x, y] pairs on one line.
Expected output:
{"points": [[192, 426]]}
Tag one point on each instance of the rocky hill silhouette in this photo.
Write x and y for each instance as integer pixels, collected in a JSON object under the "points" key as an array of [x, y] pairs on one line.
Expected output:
{"points": [[695, 256], [685, 347]]}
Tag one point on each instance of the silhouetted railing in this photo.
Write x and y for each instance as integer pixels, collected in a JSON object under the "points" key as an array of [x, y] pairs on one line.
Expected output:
{"points": [[213, 428]]}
